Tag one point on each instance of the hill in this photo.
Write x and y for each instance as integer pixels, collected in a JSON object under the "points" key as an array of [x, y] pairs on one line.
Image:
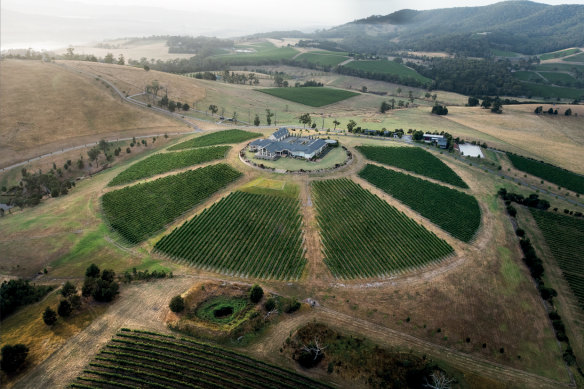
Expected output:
{"points": [[46, 107]]}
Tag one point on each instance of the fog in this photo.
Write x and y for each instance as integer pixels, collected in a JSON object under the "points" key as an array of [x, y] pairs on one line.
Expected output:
{"points": [[42, 24]]}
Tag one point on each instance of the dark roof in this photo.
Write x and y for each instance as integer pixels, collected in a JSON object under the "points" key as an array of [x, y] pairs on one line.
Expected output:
{"points": [[282, 131]]}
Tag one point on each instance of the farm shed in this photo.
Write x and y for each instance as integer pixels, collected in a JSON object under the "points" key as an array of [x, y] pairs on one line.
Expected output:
{"points": [[440, 140], [470, 150]]}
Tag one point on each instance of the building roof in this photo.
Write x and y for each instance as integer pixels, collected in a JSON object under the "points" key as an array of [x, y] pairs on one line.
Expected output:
{"points": [[432, 136], [261, 142], [282, 132]]}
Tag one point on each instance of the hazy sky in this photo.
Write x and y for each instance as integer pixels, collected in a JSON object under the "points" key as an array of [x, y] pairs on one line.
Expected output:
{"points": [[46, 23]]}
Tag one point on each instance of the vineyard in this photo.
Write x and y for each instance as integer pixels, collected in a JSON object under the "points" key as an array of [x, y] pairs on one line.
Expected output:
{"points": [[216, 138], [363, 236], [162, 163], [313, 96], [148, 360], [564, 235], [415, 160], [455, 212], [558, 176], [137, 211], [244, 234]]}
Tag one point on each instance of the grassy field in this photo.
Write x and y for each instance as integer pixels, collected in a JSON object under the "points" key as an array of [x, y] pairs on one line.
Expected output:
{"points": [[264, 52], [555, 66], [556, 175], [245, 234], [523, 75], [455, 212], [335, 156], [575, 58], [559, 77], [413, 159], [387, 67], [217, 138], [363, 236], [141, 358], [135, 212], [503, 53], [563, 235], [547, 91], [558, 54], [312, 96], [46, 108], [329, 59]]}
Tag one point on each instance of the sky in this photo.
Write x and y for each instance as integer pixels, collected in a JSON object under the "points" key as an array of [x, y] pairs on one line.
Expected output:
{"points": [[48, 23]]}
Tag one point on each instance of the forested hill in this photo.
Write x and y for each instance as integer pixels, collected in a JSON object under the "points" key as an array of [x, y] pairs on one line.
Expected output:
{"points": [[519, 26]]}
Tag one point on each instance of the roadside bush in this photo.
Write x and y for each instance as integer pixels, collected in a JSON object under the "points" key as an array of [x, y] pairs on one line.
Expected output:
{"points": [[177, 304], [256, 293], [13, 356]]}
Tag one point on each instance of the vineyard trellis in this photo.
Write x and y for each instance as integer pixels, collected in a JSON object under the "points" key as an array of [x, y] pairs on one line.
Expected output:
{"points": [[455, 212], [244, 234], [415, 160], [152, 360], [138, 211], [564, 236], [165, 162], [217, 138], [363, 236]]}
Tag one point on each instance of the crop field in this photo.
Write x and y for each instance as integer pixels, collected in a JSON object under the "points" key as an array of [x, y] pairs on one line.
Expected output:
{"points": [[363, 236], [387, 67], [558, 54], [146, 359], [413, 159], [555, 66], [556, 175], [540, 90], [523, 75], [576, 58], [265, 52], [321, 59], [217, 138], [244, 234], [137, 211], [503, 53], [564, 235], [165, 162], [312, 96], [455, 212], [562, 78]]}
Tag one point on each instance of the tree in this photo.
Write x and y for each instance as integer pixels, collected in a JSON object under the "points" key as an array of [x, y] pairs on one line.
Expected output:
{"points": [[256, 293], [351, 125], [411, 96], [213, 108], [399, 91], [269, 115], [186, 107], [439, 381], [364, 89], [70, 53], [473, 102], [497, 106], [171, 106], [13, 357], [108, 275], [568, 112], [311, 354], [177, 304], [68, 289], [109, 58], [92, 271], [234, 117], [439, 110], [147, 68], [121, 60], [486, 104], [336, 123], [434, 97], [538, 110], [305, 119], [49, 316], [392, 101], [256, 120], [105, 291], [93, 154], [64, 308], [103, 145], [384, 107]]}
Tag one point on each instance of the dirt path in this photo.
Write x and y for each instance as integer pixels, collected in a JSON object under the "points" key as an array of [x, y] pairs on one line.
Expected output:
{"points": [[389, 338], [141, 305], [346, 62]]}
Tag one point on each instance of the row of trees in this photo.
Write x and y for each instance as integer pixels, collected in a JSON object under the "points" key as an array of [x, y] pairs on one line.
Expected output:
{"points": [[539, 110]]}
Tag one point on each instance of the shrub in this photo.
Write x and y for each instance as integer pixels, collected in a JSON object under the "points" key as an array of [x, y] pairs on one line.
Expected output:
{"points": [[177, 304], [49, 316], [68, 289], [290, 305], [13, 356], [270, 304], [75, 301], [256, 293], [64, 309], [92, 271]]}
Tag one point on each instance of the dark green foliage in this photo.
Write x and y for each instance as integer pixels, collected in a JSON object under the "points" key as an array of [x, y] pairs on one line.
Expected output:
{"points": [[16, 293], [108, 275], [440, 110], [256, 293], [312, 96], [75, 301], [290, 305], [564, 236], [551, 173], [177, 304], [472, 102], [140, 210], [413, 159], [217, 138], [511, 211], [165, 162], [251, 234], [455, 212], [384, 70], [68, 289], [13, 356], [64, 309], [270, 304], [105, 291], [92, 271], [364, 236], [49, 316]]}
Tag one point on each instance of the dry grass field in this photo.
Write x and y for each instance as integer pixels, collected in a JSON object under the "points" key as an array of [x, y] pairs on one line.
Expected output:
{"points": [[46, 108], [133, 80]]}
